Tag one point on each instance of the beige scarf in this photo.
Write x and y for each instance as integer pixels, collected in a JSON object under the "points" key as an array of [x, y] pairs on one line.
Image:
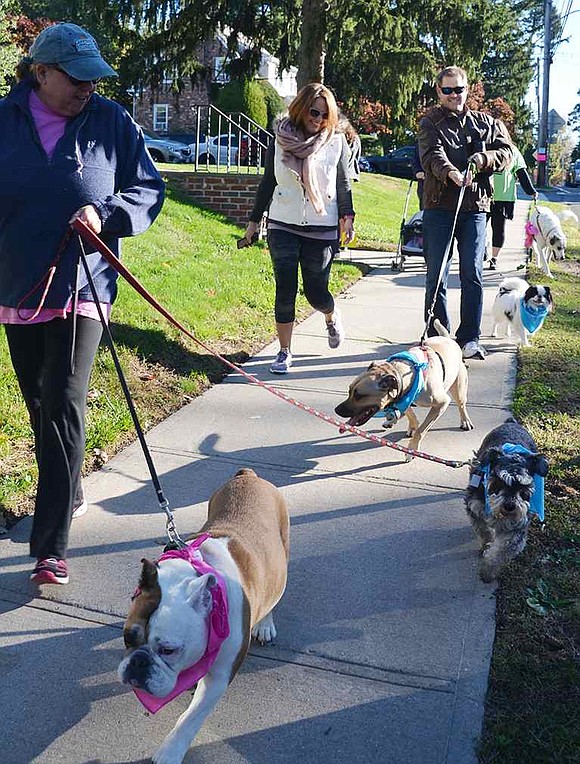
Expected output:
{"points": [[298, 155]]}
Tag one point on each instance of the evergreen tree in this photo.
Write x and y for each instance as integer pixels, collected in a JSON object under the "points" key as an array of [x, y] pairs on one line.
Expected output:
{"points": [[9, 51]]}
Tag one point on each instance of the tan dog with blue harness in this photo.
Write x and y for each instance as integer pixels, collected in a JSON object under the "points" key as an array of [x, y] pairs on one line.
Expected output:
{"points": [[427, 375]]}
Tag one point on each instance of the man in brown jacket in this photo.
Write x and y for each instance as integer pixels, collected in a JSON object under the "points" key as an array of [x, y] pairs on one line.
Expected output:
{"points": [[457, 146]]}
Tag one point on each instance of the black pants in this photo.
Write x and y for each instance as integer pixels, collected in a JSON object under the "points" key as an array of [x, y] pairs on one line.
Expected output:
{"points": [[499, 213], [56, 402], [288, 250]]}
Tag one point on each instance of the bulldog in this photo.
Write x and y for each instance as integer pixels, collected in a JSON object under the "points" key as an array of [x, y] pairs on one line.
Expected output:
{"points": [[196, 609]]}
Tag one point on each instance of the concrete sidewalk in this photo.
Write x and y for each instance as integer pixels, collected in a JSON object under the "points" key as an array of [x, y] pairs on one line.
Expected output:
{"points": [[385, 631]]}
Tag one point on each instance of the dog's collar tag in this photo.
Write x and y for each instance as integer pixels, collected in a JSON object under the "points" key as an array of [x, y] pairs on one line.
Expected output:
{"points": [[218, 626], [419, 367], [532, 318], [475, 480]]}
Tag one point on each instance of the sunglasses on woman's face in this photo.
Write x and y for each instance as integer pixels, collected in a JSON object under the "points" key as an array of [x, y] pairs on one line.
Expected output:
{"points": [[73, 80], [315, 114], [457, 89]]}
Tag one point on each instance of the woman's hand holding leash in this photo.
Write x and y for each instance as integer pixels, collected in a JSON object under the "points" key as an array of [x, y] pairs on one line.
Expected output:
{"points": [[90, 217]]}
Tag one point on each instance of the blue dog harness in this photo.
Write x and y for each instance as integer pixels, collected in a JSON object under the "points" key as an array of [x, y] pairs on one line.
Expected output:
{"points": [[537, 500], [532, 318], [419, 369]]}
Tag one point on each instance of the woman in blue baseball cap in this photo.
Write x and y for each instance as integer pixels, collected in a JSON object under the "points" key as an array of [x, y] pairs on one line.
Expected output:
{"points": [[66, 153]]}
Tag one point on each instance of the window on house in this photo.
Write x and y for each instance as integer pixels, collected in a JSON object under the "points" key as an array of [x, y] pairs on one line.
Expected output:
{"points": [[161, 117], [219, 75]]}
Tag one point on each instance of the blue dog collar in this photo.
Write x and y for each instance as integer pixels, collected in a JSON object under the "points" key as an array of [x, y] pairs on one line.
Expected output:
{"points": [[417, 385], [537, 500], [532, 318]]}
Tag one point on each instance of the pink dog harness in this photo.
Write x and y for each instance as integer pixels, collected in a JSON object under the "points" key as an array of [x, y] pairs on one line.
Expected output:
{"points": [[218, 626]]}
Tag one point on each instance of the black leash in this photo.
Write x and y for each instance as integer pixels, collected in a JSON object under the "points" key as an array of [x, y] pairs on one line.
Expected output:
{"points": [[170, 528]]}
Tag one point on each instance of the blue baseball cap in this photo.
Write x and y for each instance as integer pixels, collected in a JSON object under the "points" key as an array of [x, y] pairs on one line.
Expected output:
{"points": [[73, 49]]}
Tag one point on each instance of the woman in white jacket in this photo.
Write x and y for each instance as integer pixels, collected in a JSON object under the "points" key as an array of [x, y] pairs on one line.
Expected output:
{"points": [[306, 186]]}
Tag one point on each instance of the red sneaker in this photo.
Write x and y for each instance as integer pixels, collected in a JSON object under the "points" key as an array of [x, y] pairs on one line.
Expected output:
{"points": [[50, 571]]}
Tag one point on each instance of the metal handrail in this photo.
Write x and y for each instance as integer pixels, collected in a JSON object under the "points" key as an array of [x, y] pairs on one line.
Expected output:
{"points": [[239, 126]]}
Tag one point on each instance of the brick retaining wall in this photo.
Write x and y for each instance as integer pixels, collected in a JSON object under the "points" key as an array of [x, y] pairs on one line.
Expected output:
{"points": [[232, 195]]}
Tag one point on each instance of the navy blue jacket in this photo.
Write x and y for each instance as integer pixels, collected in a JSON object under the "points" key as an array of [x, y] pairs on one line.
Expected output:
{"points": [[101, 159]]}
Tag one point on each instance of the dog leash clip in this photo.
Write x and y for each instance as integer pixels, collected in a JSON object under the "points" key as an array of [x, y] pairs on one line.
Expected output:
{"points": [[175, 540]]}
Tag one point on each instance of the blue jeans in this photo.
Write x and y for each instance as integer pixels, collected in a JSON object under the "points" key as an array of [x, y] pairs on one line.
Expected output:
{"points": [[470, 235]]}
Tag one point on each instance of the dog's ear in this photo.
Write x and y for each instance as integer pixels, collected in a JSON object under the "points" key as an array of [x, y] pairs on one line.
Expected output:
{"points": [[144, 602], [539, 465], [388, 382], [553, 240], [199, 593], [149, 575], [373, 365], [489, 456]]}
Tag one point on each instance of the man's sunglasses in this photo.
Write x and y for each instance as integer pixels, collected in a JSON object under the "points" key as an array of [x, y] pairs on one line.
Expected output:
{"points": [[73, 80], [314, 113], [457, 89]]}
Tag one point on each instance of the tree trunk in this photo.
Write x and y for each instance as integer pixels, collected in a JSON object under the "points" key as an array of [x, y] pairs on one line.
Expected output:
{"points": [[312, 42]]}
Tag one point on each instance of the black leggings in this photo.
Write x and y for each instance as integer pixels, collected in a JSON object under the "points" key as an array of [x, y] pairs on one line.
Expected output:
{"points": [[56, 402], [499, 213], [288, 250]]}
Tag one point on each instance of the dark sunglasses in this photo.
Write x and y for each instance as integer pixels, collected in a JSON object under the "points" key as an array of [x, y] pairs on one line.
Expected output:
{"points": [[314, 113], [73, 80], [457, 89]]}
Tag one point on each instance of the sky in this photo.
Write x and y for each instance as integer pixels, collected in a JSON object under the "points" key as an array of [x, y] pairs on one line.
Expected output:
{"points": [[565, 70]]}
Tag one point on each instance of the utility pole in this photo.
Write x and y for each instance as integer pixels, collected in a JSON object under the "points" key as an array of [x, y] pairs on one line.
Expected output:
{"points": [[542, 151]]}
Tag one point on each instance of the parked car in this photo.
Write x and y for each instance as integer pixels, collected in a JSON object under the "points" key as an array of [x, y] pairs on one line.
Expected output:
{"points": [[224, 146], [364, 165], [573, 174], [164, 150], [253, 150], [398, 162]]}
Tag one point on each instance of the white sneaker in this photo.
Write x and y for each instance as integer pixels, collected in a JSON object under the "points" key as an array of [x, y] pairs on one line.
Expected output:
{"points": [[282, 362], [335, 331], [474, 351], [80, 510]]}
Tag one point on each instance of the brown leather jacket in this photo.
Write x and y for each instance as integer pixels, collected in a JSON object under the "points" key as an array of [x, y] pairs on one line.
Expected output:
{"points": [[446, 141]]}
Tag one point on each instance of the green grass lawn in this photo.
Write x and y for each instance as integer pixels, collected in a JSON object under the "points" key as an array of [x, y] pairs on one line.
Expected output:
{"points": [[379, 202]]}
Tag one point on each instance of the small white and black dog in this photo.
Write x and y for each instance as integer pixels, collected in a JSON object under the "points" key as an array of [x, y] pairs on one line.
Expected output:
{"points": [[549, 240], [522, 307], [505, 488]]}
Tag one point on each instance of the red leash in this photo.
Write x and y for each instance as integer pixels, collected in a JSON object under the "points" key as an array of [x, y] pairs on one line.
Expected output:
{"points": [[48, 277], [114, 261]]}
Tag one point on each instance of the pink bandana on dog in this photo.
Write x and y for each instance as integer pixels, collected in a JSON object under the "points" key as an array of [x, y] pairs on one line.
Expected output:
{"points": [[531, 231], [218, 626]]}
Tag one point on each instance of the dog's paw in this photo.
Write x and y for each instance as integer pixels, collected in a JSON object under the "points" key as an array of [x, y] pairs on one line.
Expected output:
{"points": [[488, 571], [467, 424], [264, 631]]}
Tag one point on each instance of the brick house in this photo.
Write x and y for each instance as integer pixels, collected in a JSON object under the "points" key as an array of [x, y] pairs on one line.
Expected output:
{"points": [[170, 112]]}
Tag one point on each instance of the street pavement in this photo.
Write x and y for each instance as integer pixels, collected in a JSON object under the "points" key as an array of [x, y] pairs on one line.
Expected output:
{"points": [[384, 633]]}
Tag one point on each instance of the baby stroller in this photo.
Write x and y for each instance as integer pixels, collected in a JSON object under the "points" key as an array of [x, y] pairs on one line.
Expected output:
{"points": [[410, 237]]}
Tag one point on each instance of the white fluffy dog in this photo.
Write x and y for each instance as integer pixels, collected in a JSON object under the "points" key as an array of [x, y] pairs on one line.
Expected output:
{"points": [[520, 306], [549, 240]]}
